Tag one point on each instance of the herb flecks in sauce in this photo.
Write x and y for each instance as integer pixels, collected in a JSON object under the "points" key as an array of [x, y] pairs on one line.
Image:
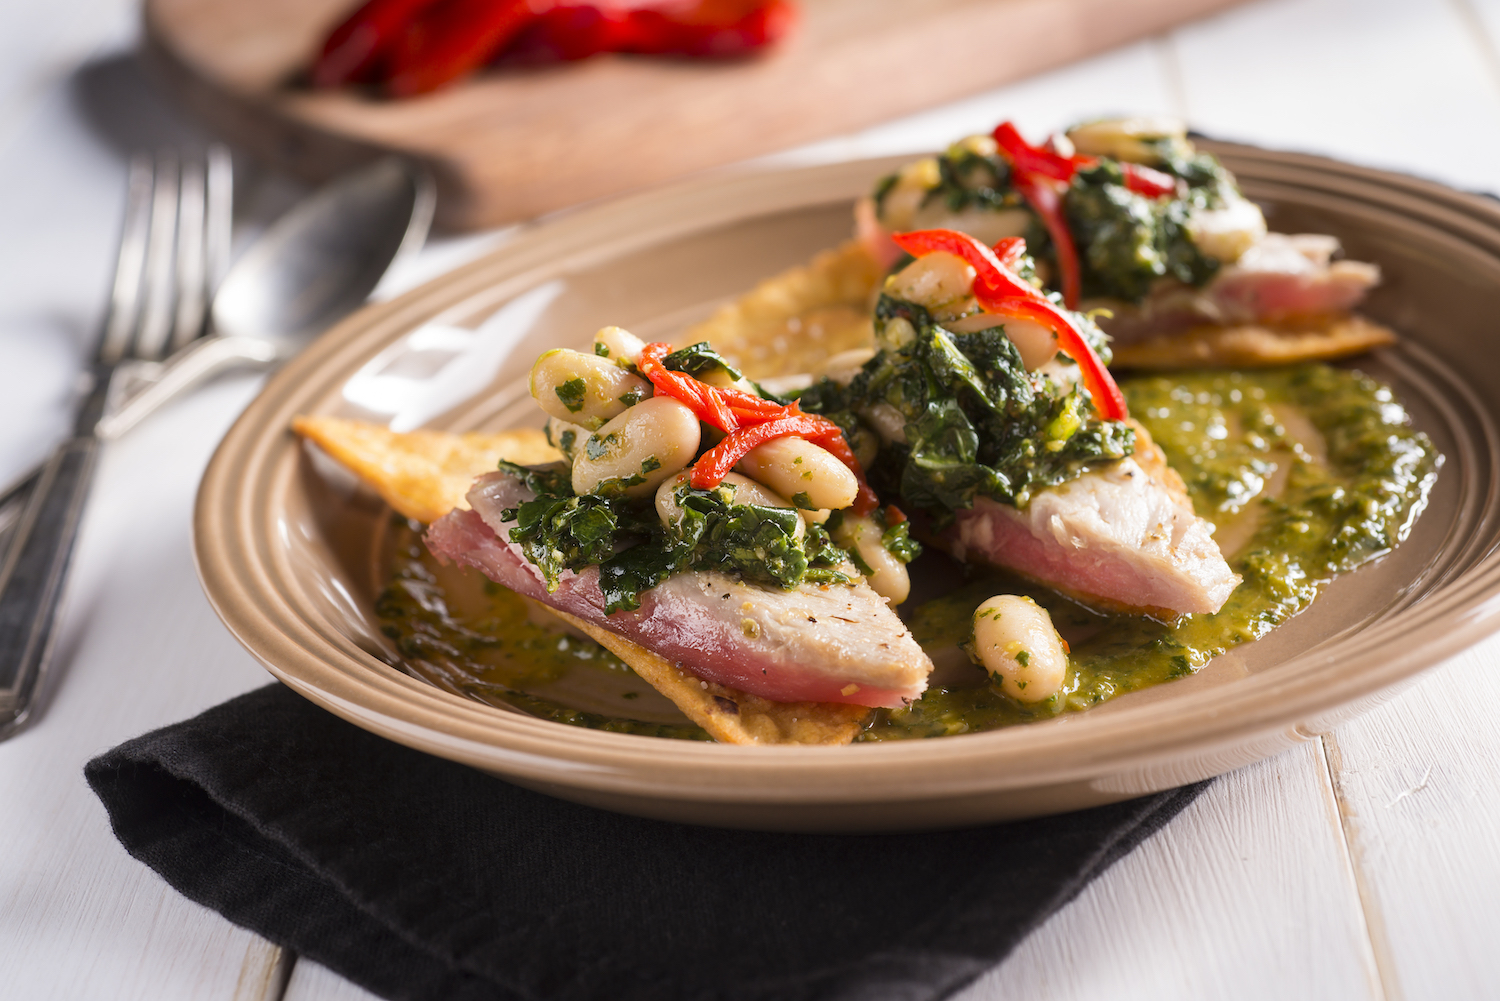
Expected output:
{"points": [[1316, 468], [475, 638]]}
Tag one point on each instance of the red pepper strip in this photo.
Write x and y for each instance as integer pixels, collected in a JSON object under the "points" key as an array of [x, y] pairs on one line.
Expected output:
{"points": [[1010, 250], [572, 31], [1036, 173], [1029, 159], [1108, 399], [1001, 291], [712, 466], [739, 400], [894, 515], [835, 444], [1148, 181], [1045, 200], [356, 46], [452, 38], [712, 28], [725, 407], [702, 399]]}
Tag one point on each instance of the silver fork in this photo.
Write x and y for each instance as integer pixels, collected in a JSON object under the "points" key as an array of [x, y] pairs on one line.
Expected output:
{"points": [[174, 247]]}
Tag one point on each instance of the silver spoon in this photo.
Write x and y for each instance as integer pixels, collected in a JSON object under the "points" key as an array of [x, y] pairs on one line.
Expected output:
{"points": [[313, 266]]}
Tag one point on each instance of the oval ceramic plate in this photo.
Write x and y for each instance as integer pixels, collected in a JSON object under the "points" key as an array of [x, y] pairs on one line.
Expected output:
{"points": [[285, 549]]}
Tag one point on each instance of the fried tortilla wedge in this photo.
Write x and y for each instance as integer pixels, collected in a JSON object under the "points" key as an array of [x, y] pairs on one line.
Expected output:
{"points": [[793, 321], [1254, 346], [425, 474], [729, 715], [422, 474]]}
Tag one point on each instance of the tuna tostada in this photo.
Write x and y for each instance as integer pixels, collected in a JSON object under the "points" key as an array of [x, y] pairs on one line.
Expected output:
{"points": [[736, 521]]}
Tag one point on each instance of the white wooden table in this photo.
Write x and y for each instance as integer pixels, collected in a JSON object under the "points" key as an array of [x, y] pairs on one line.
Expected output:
{"points": [[1363, 864]]}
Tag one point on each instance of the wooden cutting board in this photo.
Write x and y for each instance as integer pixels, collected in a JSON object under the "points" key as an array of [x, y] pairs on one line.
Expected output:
{"points": [[512, 144]]}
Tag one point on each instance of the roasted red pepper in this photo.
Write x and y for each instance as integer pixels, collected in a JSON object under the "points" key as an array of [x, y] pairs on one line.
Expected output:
{"points": [[452, 38], [711, 468], [1038, 172], [1148, 181], [748, 421], [355, 48], [1045, 198], [711, 28], [1009, 251], [420, 45], [702, 399], [1001, 291]]}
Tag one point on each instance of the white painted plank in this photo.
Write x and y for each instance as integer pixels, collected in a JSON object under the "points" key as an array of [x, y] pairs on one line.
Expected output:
{"points": [[1246, 894], [1420, 783], [1393, 83], [1254, 869], [139, 648], [1412, 86], [1128, 79]]}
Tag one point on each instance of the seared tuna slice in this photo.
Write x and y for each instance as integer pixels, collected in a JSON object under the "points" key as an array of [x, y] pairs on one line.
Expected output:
{"points": [[1121, 537], [1280, 279], [815, 643]]}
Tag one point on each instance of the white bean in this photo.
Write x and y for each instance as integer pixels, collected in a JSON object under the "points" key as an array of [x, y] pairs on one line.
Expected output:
{"points": [[936, 281], [895, 334], [888, 576], [567, 438], [865, 445], [1132, 139], [650, 442], [913, 182], [1225, 233], [743, 490], [793, 466], [620, 345], [887, 421], [1016, 642], [1037, 344], [844, 366], [584, 389]]}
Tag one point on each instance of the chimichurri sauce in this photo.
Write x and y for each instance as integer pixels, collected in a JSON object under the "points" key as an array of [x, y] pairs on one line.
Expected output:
{"points": [[1306, 472], [470, 636]]}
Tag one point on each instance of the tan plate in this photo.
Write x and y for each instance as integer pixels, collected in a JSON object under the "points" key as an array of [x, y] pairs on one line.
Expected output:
{"points": [[285, 550]]}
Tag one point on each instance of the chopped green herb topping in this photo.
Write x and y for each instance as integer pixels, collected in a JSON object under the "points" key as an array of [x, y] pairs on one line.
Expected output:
{"points": [[634, 551], [699, 360], [976, 422], [571, 393]]}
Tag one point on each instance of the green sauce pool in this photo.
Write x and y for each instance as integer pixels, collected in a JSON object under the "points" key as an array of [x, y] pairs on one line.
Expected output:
{"points": [[1306, 472]]}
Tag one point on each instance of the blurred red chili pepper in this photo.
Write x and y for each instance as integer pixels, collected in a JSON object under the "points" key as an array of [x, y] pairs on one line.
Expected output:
{"points": [[452, 38], [1009, 251], [1003, 292], [710, 28], [420, 45], [1148, 181], [354, 49], [1037, 173]]}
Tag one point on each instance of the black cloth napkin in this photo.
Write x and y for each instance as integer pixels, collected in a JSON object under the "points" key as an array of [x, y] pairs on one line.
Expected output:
{"points": [[423, 879]]}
